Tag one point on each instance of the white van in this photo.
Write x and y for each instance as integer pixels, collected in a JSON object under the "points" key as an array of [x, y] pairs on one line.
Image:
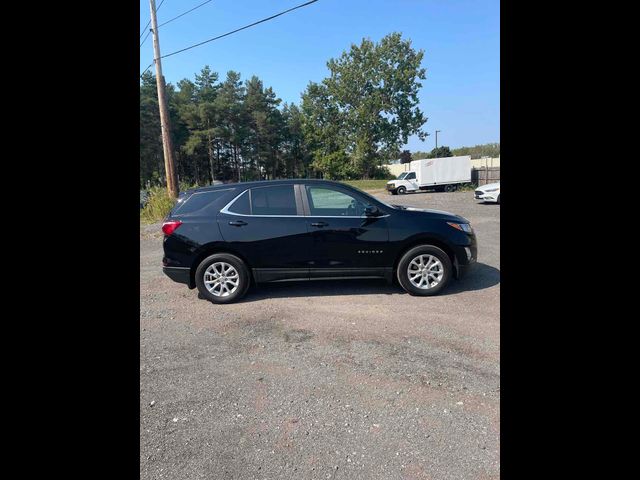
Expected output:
{"points": [[446, 173]]}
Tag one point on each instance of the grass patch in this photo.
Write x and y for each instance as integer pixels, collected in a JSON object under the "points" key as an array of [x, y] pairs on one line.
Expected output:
{"points": [[158, 206], [367, 184]]}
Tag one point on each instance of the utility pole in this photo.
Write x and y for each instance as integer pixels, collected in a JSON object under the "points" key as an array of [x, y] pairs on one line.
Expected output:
{"points": [[437, 140], [167, 145]]}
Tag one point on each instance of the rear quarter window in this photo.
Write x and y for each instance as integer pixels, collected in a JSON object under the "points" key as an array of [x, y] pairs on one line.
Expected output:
{"points": [[203, 203]]}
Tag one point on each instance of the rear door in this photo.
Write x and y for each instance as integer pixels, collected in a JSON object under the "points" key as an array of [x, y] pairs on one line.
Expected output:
{"points": [[344, 242], [266, 225]]}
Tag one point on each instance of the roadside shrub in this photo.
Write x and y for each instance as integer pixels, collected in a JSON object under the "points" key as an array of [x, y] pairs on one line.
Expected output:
{"points": [[158, 206], [466, 187], [382, 173]]}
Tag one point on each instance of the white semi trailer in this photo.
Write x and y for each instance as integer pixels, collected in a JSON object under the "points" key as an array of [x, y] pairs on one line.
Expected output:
{"points": [[446, 173]]}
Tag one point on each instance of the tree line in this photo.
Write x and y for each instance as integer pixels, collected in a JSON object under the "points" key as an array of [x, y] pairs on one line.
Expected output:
{"points": [[478, 151], [345, 127]]}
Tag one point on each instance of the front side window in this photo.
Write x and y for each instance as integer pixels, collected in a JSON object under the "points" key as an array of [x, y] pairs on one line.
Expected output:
{"points": [[410, 176], [279, 200], [327, 202]]}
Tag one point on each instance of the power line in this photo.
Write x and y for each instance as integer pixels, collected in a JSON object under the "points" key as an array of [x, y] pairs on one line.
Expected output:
{"points": [[149, 22], [182, 14], [145, 70], [238, 29], [231, 32], [147, 26]]}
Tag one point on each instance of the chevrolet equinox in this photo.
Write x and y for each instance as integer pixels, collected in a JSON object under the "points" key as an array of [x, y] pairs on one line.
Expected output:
{"points": [[222, 238]]}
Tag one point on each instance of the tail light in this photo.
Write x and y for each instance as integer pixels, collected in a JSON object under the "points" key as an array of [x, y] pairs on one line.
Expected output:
{"points": [[169, 227]]}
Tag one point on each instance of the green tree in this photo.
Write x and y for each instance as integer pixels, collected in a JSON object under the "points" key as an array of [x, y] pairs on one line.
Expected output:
{"points": [[440, 152], [366, 108], [479, 151], [151, 153], [296, 155], [405, 156], [231, 124], [322, 126]]}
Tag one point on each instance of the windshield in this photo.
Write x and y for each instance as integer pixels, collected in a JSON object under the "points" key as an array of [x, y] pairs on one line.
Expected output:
{"points": [[402, 175]]}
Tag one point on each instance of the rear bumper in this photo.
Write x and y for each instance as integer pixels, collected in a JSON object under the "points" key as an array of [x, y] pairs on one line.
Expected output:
{"points": [[179, 275]]}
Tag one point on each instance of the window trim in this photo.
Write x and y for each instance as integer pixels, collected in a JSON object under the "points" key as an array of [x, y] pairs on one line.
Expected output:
{"points": [[304, 192], [302, 204], [226, 211]]}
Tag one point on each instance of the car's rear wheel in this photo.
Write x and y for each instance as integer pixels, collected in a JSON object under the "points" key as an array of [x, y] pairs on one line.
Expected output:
{"points": [[424, 270], [222, 278], [449, 188], [402, 190]]}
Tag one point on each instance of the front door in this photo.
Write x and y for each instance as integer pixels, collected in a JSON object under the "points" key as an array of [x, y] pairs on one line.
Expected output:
{"points": [[411, 178], [344, 241]]}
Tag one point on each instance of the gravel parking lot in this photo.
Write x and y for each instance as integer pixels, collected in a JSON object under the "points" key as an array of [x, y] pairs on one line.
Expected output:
{"points": [[338, 379]]}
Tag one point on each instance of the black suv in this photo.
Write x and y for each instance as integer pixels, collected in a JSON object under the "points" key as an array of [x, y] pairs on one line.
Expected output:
{"points": [[222, 238]]}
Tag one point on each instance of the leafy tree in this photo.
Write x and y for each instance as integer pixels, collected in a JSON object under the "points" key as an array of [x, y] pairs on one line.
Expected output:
{"points": [[371, 96], [343, 127], [420, 155], [322, 124], [295, 153], [440, 152], [479, 151], [405, 156], [151, 154]]}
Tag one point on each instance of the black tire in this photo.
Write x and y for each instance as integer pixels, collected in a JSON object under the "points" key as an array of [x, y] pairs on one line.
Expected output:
{"points": [[403, 277], [243, 278], [402, 190], [449, 188]]}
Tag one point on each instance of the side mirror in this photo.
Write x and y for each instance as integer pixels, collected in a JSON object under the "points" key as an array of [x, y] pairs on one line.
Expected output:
{"points": [[371, 211]]}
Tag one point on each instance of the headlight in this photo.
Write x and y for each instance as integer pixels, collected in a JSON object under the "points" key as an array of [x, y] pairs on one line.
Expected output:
{"points": [[492, 190], [463, 227]]}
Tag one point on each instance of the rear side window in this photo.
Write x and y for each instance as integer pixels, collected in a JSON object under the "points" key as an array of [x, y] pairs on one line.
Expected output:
{"points": [[280, 200], [200, 203], [241, 205]]}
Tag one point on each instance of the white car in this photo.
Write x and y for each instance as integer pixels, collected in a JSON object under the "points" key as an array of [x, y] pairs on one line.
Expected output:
{"points": [[489, 192]]}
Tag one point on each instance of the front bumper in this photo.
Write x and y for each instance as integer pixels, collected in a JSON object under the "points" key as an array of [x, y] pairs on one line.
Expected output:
{"points": [[179, 275], [391, 187], [463, 270], [487, 197], [465, 258]]}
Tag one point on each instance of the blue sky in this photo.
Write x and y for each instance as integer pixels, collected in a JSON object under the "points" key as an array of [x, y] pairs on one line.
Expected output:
{"points": [[461, 40]]}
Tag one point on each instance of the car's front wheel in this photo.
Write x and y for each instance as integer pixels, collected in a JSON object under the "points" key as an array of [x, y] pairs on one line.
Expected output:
{"points": [[424, 270], [402, 190], [222, 278]]}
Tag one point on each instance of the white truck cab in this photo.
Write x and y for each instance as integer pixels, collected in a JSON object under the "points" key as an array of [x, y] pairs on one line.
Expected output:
{"points": [[446, 173]]}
